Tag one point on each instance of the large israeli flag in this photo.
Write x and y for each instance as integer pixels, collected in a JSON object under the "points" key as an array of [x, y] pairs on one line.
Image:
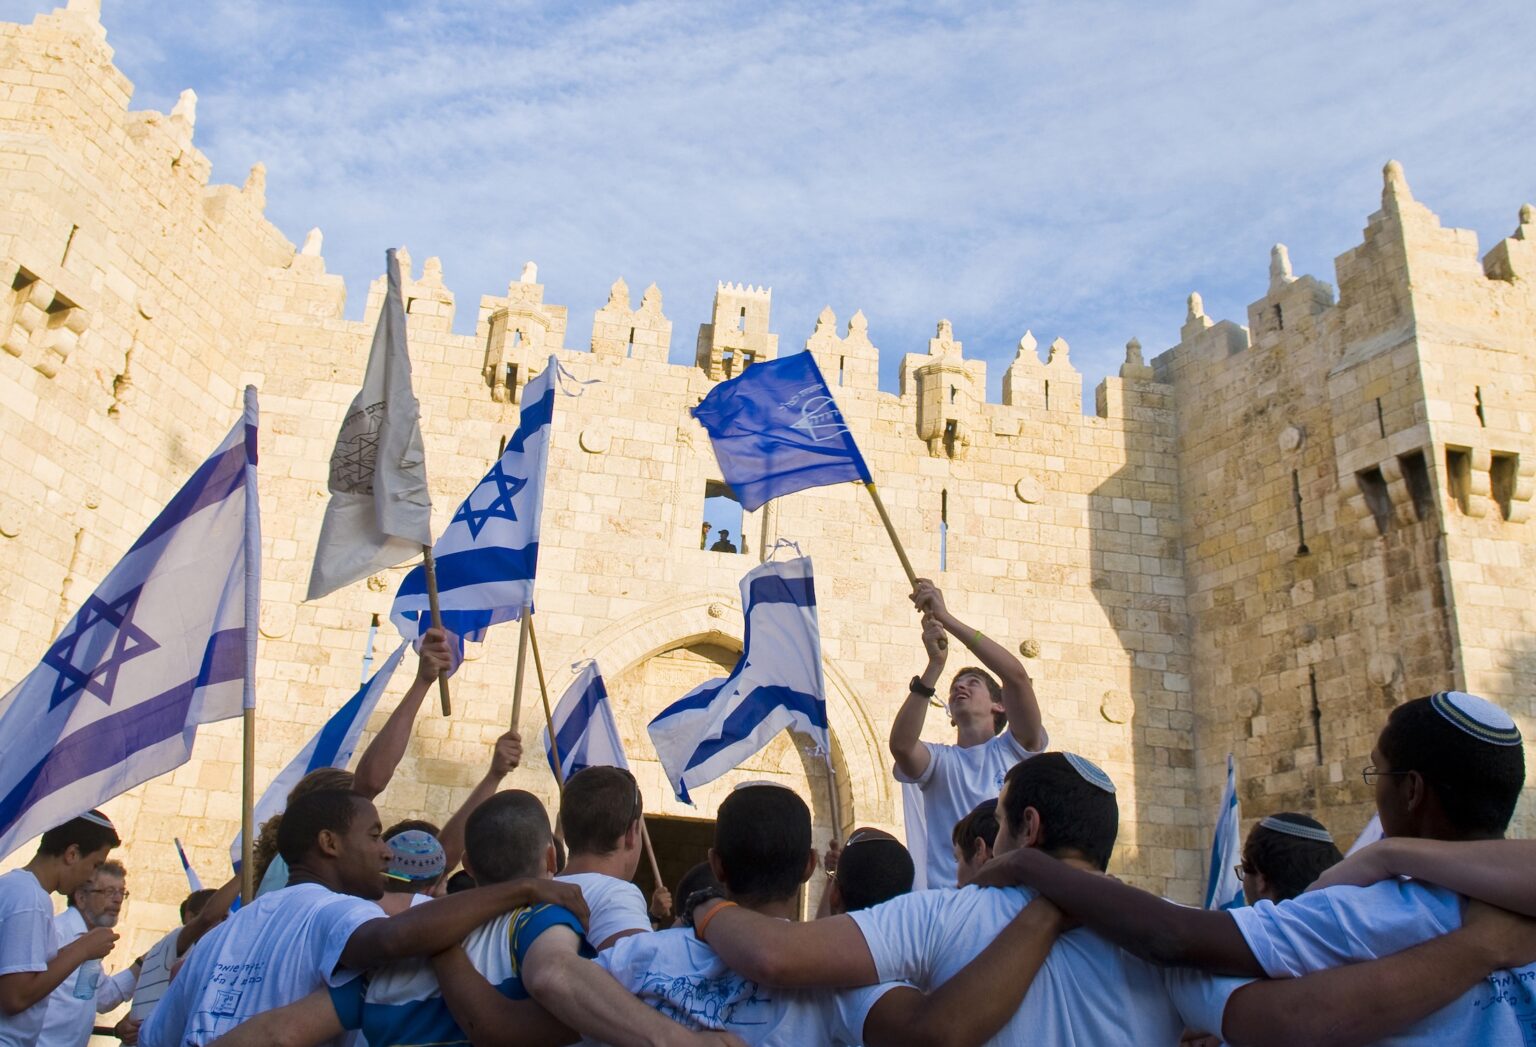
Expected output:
{"points": [[1223, 890], [585, 732], [166, 642], [776, 429], [489, 553], [777, 683], [332, 746]]}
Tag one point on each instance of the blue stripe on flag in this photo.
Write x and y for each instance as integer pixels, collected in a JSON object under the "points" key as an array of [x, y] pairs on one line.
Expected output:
{"points": [[474, 567], [577, 723], [535, 415], [745, 718], [215, 480], [775, 588]]}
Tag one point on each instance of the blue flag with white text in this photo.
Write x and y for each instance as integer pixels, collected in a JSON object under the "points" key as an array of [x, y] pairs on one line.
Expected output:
{"points": [[585, 732], [166, 642], [488, 555], [332, 746], [776, 430], [1223, 890], [777, 683]]}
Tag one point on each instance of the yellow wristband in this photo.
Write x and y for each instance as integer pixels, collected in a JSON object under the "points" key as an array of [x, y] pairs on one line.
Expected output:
{"points": [[698, 927]]}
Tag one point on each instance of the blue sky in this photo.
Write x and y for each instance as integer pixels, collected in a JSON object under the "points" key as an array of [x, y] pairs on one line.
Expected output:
{"points": [[1075, 169]]}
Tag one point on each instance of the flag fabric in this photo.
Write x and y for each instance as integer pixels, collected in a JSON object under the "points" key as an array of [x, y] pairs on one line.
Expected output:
{"points": [[915, 820], [166, 642], [1223, 890], [194, 882], [487, 556], [1369, 835], [776, 430], [380, 513], [777, 683], [584, 727], [332, 746]]}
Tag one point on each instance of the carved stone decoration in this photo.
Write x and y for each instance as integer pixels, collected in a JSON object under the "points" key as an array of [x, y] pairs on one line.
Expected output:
{"points": [[377, 583], [1291, 438], [1030, 648], [1028, 490], [11, 519], [276, 620], [1383, 668], [594, 441], [1116, 707], [1306, 633], [1250, 702], [717, 610]]}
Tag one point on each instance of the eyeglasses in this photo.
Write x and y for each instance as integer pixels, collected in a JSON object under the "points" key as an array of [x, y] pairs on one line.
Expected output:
{"points": [[110, 892], [1241, 870], [1370, 773]]}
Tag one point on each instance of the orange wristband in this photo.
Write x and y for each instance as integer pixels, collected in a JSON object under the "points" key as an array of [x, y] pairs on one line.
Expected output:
{"points": [[698, 928]]}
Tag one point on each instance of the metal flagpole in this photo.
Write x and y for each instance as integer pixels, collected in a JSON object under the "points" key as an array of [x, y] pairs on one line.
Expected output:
{"points": [[248, 703], [437, 623]]}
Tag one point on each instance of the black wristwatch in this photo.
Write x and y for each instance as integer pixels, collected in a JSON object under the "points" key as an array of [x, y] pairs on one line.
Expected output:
{"points": [[918, 687], [698, 898]]}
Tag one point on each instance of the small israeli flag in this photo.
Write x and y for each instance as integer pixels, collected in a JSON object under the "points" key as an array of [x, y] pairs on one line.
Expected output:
{"points": [[776, 429], [488, 555], [1223, 890], [777, 683], [194, 882], [331, 747], [166, 642], [585, 732]]}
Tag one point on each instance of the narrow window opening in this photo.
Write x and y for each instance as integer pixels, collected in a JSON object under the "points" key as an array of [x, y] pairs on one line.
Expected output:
{"points": [[1373, 486], [953, 392], [1416, 474], [1301, 523], [951, 436], [1501, 479], [1381, 419], [69, 242], [721, 530], [944, 529], [841, 362], [511, 380], [410, 305], [1477, 393], [517, 337], [727, 362], [741, 321], [1458, 474], [629, 350], [1047, 394], [1279, 318], [748, 358], [1317, 716], [501, 448]]}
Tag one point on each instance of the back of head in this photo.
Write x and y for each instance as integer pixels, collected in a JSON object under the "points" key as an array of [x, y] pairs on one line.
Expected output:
{"points": [[1077, 813], [416, 862], [193, 903], [89, 833], [459, 881], [1475, 771], [329, 810], [505, 838], [413, 825], [700, 877], [979, 824], [763, 842], [597, 806], [1291, 850], [873, 869]]}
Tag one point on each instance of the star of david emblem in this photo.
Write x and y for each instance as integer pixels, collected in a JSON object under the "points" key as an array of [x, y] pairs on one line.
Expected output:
{"points": [[353, 469], [90, 657], [500, 507]]}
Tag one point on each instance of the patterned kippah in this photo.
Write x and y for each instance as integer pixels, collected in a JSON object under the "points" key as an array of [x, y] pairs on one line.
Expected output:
{"points": [[97, 818], [415, 855], [1301, 829], [1092, 773], [1477, 716]]}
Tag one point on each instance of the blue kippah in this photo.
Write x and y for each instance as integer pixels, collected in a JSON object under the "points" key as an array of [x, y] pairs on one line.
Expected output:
{"points": [[415, 855], [1092, 773]]}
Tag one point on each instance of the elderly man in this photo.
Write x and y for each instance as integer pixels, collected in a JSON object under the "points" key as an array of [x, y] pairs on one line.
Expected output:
{"points": [[73, 1006]]}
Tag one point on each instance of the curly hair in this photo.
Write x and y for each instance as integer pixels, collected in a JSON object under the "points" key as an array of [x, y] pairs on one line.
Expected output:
{"points": [[265, 847]]}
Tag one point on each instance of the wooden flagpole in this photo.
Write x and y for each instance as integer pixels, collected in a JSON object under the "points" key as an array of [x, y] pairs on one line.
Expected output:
{"points": [[890, 529], [247, 807], [437, 622], [522, 656]]}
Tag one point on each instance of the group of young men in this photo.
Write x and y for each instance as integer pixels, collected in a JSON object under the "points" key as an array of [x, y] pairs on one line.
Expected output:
{"points": [[1020, 937]]}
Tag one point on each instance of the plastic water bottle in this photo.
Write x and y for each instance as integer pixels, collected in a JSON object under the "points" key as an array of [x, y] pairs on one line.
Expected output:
{"points": [[87, 977]]}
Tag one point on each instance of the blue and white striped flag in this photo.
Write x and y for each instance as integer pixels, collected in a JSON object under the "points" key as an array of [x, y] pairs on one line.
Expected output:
{"points": [[194, 882], [777, 683], [332, 746], [487, 557], [585, 731], [1223, 890], [166, 642]]}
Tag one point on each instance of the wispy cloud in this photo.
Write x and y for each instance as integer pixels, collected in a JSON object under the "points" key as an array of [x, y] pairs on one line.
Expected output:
{"points": [[1072, 168]]}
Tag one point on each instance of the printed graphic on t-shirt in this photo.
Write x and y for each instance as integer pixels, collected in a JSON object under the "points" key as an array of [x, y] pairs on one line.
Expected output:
{"points": [[707, 1003]]}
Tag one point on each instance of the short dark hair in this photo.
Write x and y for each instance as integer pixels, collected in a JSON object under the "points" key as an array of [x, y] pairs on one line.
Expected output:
{"points": [[90, 832], [1478, 783], [995, 689], [980, 824], [505, 837], [1289, 863], [328, 810], [597, 806], [1074, 813], [873, 870], [418, 824], [459, 881], [193, 903], [694, 880], [763, 841]]}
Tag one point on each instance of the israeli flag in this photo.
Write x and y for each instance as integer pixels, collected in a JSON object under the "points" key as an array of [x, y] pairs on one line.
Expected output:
{"points": [[585, 732], [193, 880], [331, 747], [776, 684], [489, 553], [1223, 890], [776, 430], [166, 642]]}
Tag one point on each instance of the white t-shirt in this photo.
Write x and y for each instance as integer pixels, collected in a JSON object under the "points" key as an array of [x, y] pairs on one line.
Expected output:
{"points": [[1087, 992], [280, 948], [1339, 925], [27, 942], [955, 781], [154, 976], [680, 976], [69, 1020], [616, 905]]}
